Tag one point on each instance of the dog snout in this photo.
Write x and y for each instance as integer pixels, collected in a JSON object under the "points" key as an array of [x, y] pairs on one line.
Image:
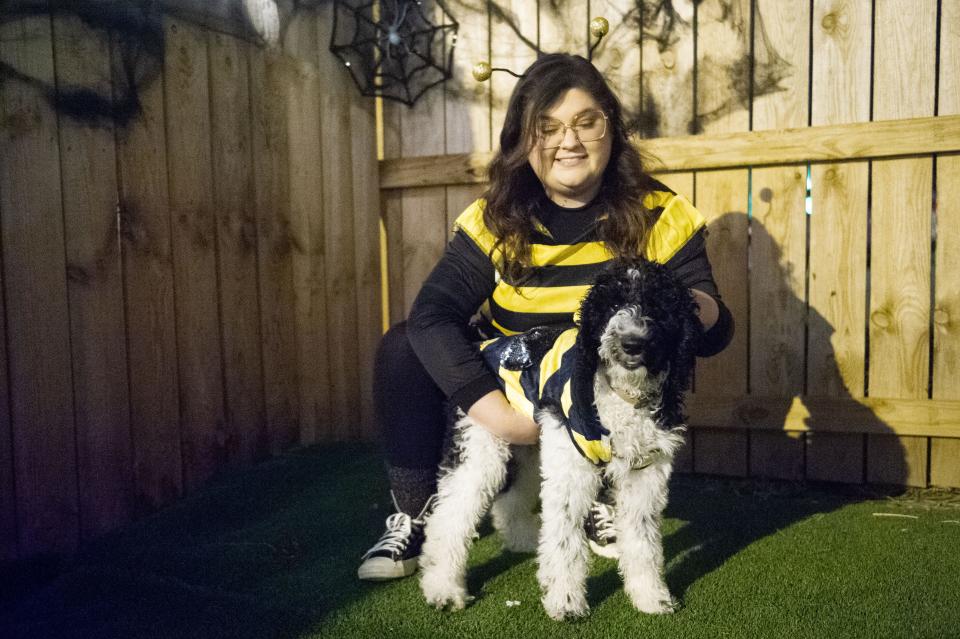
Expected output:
{"points": [[633, 345]]}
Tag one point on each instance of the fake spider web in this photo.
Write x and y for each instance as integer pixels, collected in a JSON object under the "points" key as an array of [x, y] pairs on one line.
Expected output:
{"points": [[392, 49]]}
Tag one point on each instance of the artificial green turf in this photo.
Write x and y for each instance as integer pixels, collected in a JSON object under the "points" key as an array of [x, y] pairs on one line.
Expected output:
{"points": [[272, 552]]}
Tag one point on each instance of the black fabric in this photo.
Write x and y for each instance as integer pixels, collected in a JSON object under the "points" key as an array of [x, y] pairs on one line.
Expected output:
{"points": [[465, 277], [438, 325], [409, 406]]}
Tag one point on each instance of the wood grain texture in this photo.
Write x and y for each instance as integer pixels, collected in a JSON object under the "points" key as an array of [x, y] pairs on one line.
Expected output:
{"points": [[721, 197], [189, 172], [808, 413], [458, 199], [513, 42], [722, 106], [667, 62], [95, 286], [891, 138], [424, 237], [31, 227], [339, 249], [563, 26], [836, 342], [466, 101], [234, 206], [307, 225], [271, 156], [778, 243], [618, 54], [149, 292], [945, 454], [367, 254]]}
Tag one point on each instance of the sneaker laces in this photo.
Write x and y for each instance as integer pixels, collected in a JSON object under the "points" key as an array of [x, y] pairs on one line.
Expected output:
{"points": [[400, 528], [602, 516], [397, 536]]}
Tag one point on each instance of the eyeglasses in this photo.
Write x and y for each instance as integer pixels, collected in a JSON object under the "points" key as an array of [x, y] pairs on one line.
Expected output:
{"points": [[589, 126]]}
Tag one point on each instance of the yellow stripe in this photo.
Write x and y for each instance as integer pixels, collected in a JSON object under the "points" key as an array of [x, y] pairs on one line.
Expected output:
{"points": [[677, 224], [514, 392], [502, 329], [471, 223], [657, 198], [596, 451], [569, 254], [551, 361], [539, 299]]}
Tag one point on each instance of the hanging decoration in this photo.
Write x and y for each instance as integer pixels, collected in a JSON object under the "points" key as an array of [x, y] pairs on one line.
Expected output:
{"points": [[392, 49]]}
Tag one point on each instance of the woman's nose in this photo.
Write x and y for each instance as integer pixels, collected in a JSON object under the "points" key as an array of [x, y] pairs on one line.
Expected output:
{"points": [[570, 138]]}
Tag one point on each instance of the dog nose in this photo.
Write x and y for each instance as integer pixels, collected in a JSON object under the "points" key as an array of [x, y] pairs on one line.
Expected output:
{"points": [[632, 345]]}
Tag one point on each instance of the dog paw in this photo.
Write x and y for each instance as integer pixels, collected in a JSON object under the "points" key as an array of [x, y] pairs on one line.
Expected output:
{"points": [[446, 596], [656, 605], [565, 606]]}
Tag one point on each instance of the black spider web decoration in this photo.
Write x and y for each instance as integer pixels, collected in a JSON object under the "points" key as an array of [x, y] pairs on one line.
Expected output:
{"points": [[399, 54]]}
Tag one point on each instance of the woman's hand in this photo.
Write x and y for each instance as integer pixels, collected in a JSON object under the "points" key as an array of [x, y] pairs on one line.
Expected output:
{"points": [[494, 412], [707, 309]]}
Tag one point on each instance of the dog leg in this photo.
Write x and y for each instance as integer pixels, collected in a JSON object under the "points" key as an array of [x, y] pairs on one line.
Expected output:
{"points": [[641, 498], [512, 510], [464, 495], [570, 484]]}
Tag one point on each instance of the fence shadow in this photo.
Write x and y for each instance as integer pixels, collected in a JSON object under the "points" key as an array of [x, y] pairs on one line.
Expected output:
{"points": [[714, 530]]}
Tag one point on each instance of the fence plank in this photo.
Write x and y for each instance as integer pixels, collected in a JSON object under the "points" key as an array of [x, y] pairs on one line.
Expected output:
{"points": [[271, 157], [513, 42], [945, 453], [423, 211], [95, 286], [843, 142], [148, 289], [194, 255], [618, 54], [339, 249], [667, 58], [367, 242], [233, 197], [778, 243], [35, 285], [8, 497], [306, 225], [424, 237], [836, 357], [904, 86], [562, 26], [722, 31], [467, 102]]}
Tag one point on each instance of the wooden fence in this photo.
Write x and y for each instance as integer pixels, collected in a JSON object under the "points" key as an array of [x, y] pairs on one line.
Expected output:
{"points": [[190, 291], [825, 158]]}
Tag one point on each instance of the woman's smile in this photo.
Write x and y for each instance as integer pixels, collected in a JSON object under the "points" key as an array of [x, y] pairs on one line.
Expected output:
{"points": [[570, 169]]}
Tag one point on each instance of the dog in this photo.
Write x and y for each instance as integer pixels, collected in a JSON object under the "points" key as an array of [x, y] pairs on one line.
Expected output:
{"points": [[612, 412]]}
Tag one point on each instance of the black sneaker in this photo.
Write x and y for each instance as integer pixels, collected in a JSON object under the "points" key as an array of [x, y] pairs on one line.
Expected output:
{"points": [[397, 552], [601, 532]]}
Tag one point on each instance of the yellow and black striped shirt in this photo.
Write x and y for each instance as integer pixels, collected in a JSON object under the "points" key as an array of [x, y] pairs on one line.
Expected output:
{"points": [[566, 255]]}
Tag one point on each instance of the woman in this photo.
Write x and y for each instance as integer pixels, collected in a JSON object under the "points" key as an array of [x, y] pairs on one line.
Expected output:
{"points": [[567, 193]]}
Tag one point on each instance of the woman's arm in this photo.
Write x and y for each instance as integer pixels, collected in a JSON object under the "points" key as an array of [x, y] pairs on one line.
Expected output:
{"points": [[494, 412], [707, 309], [438, 331]]}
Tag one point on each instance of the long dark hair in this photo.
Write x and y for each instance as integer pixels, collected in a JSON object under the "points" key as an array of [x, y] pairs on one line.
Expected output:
{"points": [[515, 193]]}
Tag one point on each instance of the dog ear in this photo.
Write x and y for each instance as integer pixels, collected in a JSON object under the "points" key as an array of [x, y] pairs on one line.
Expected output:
{"points": [[682, 363]]}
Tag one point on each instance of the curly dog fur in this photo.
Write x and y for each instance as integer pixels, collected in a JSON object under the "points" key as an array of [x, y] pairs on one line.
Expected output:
{"points": [[638, 332]]}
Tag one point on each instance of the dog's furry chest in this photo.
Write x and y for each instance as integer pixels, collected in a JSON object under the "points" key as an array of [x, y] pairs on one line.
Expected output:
{"points": [[636, 439]]}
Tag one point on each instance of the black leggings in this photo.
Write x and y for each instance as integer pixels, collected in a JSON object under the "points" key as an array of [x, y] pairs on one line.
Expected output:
{"points": [[409, 405]]}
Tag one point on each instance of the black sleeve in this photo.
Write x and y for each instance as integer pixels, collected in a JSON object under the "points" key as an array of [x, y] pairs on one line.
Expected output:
{"points": [[438, 326], [692, 267]]}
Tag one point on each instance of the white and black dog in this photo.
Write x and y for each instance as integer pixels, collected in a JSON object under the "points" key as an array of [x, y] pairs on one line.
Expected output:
{"points": [[608, 396]]}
